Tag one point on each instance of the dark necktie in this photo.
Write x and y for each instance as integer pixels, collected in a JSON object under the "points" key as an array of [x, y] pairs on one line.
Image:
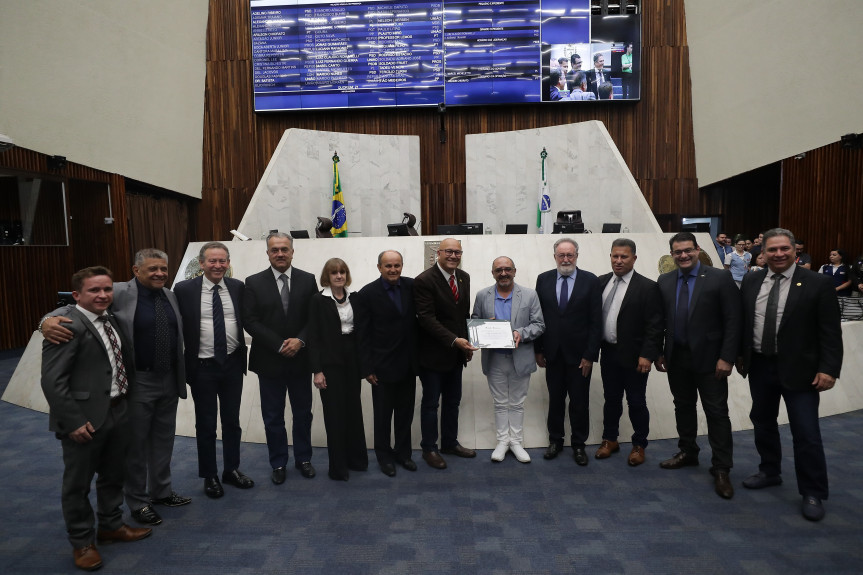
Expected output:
{"points": [[768, 337], [161, 353], [285, 292], [453, 287], [681, 316], [220, 337], [122, 382], [564, 294], [395, 296]]}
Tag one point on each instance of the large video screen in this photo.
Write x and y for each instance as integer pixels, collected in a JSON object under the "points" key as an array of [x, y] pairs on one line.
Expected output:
{"points": [[315, 54]]}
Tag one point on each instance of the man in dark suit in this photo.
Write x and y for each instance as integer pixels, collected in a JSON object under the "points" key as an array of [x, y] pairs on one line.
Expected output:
{"points": [[442, 297], [387, 327], [632, 340], [571, 304], [147, 312], [275, 312], [597, 75], [791, 349], [702, 336], [86, 382], [211, 306]]}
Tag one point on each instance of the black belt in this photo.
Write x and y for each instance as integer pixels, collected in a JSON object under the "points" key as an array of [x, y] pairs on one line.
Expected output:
{"points": [[211, 361], [115, 401]]}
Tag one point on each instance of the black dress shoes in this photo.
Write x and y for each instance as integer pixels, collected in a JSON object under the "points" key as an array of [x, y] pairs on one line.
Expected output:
{"points": [[434, 459], [813, 509], [336, 476], [552, 451], [678, 460], [238, 479], [409, 464], [306, 469], [388, 469], [213, 488], [580, 456], [722, 484], [146, 515], [761, 480], [173, 500], [279, 475], [459, 451]]}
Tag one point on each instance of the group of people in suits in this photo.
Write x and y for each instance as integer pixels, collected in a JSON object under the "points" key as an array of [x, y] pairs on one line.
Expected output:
{"points": [[116, 364]]}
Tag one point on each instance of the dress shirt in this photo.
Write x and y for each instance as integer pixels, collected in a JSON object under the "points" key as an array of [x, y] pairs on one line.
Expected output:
{"points": [[277, 273], [502, 310], [144, 326], [569, 284], [761, 303], [205, 348], [100, 327], [346, 312], [446, 276], [610, 326]]}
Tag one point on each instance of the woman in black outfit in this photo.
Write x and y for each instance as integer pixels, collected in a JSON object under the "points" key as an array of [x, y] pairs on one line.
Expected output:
{"points": [[334, 361]]}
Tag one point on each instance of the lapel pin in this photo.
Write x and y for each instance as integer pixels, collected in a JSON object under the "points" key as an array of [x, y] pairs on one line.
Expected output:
{"points": [[799, 284]]}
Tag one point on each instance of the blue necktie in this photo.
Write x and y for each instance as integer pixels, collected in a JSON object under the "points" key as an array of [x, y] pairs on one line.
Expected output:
{"points": [[220, 337], [681, 317], [564, 294]]}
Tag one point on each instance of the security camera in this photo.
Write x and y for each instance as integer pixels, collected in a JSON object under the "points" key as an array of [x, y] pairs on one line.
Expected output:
{"points": [[6, 143], [239, 236]]}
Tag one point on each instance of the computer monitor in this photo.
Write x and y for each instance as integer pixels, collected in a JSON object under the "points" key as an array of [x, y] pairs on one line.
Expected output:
{"points": [[471, 229], [611, 228], [568, 228], [304, 234], [397, 230], [65, 298], [516, 228], [567, 216], [449, 230]]}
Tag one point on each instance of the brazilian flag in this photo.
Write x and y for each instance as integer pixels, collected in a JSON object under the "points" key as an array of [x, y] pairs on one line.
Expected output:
{"points": [[340, 216]]}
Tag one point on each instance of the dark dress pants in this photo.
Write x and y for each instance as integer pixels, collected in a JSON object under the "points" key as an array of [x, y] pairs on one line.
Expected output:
{"points": [[802, 406], [218, 390], [298, 387], [686, 387], [564, 380], [343, 415], [617, 380], [393, 403], [440, 387], [153, 420], [105, 454]]}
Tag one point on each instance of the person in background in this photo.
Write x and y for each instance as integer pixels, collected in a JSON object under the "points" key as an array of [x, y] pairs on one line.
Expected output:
{"points": [[839, 272], [737, 262], [804, 260]]}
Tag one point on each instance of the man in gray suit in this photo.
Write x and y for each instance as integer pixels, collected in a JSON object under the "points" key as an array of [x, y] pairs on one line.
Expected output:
{"points": [[86, 383], [578, 87], [508, 370], [148, 315]]}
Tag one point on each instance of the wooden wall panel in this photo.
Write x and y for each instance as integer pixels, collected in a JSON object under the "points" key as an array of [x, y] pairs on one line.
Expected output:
{"points": [[654, 135], [34, 274], [822, 200]]}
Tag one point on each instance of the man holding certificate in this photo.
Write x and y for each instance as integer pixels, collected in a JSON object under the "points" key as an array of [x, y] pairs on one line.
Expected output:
{"points": [[509, 366]]}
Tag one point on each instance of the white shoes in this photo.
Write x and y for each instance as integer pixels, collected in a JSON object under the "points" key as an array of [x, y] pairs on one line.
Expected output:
{"points": [[519, 452], [499, 452]]}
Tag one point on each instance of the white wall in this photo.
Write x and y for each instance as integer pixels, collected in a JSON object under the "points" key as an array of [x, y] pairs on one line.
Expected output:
{"points": [[117, 86], [771, 79]]}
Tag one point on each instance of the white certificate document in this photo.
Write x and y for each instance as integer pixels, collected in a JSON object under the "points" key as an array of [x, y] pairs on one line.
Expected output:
{"points": [[490, 333]]}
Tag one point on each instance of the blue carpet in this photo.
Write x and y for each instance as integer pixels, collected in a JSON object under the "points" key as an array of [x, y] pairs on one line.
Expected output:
{"points": [[475, 517]]}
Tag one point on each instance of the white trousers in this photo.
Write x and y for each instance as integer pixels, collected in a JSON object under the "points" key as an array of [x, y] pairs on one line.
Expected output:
{"points": [[509, 391]]}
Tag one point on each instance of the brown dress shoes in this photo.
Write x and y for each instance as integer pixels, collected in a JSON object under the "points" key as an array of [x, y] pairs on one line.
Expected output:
{"points": [[434, 459], [636, 456], [606, 448], [87, 558], [124, 534]]}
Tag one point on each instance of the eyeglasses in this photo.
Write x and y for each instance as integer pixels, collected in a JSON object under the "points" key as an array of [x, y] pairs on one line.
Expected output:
{"points": [[501, 270], [456, 253], [687, 251], [566, 256]]}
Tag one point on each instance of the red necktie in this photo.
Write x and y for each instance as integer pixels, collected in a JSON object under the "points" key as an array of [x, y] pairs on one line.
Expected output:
{"points": [[453, 287]]}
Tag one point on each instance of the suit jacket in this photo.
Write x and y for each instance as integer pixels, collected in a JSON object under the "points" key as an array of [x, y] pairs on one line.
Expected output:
{"points": [[526, 319], [387, 338], [715, 318], [576, 333], [124, 307], [809, 337], [265, 320], [188, 294], [326, 346], [77, 376], [639, 322], [441, 318], [577, 94], [592, 84]]}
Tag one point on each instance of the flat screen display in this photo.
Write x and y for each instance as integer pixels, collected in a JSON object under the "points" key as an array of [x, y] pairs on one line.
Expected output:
{"points": [[321, 54]]}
